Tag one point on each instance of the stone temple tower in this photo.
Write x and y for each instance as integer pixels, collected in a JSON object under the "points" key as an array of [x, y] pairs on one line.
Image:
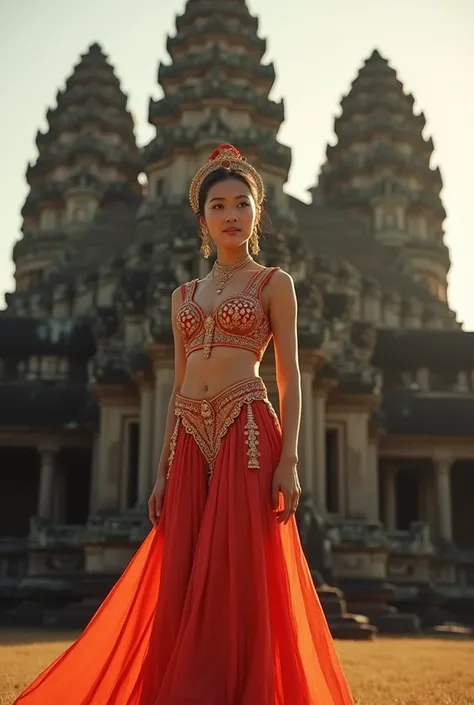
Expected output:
{"points": [[215, 90], [87, 158], [380, 171]]}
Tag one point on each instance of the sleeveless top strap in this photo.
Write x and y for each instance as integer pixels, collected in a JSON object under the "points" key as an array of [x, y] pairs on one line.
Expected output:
{"points": [[187, 290], [256, 284]]}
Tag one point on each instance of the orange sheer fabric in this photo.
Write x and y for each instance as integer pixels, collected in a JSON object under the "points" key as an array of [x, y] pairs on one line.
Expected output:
{"points": [[217, 607]]}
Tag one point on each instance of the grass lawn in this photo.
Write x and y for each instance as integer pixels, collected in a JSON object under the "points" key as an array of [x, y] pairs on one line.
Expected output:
{"points": [[385, 672]]}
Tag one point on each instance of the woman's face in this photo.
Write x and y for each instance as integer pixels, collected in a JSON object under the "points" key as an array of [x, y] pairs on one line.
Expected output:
{"points": [[230, 213]]}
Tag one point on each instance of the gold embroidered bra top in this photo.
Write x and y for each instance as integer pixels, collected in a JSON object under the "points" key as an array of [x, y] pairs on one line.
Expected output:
{"points": [[239, 321]]}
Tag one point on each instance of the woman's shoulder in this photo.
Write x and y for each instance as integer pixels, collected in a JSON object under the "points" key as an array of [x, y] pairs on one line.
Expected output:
{"points": [[278, 276], [272, 271], [280, 285], [183, 288]]}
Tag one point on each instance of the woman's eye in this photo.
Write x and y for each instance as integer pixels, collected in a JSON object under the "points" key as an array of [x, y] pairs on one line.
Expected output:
{"points": [[244, 203]]}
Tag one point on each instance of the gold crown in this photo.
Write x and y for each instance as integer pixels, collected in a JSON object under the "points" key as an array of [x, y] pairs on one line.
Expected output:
{"points": [[227, 157]]}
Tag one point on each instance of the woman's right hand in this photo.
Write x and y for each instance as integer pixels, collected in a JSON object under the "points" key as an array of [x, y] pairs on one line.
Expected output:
{"points": [[155, 503]]}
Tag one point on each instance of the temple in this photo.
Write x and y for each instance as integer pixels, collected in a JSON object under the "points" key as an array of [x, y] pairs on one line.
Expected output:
{"points": [[86, 352]]}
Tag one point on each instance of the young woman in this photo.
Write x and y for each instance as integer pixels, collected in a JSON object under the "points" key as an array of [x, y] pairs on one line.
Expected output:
{"points": [[217, 607]]}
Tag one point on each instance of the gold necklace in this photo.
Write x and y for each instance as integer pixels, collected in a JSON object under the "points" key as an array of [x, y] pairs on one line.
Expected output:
{"points": [[221, 273]]}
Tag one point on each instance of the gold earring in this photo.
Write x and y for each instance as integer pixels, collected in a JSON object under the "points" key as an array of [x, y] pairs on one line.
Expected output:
{"points": [[206, 242], [254, 244]]}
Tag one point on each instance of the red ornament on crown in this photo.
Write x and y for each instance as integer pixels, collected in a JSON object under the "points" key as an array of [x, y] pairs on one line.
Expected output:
{"points": [[228, 157], [222, 151]]}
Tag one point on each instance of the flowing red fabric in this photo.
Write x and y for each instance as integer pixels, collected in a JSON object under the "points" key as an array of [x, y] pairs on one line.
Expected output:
{"points": [[217, 606]]}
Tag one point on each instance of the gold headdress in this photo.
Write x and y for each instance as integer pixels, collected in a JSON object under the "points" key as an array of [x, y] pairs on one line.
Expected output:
{"points": [[228, 157]]}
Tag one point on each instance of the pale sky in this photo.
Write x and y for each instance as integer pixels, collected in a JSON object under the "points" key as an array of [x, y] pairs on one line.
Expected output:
{"points": [[317, 49]]}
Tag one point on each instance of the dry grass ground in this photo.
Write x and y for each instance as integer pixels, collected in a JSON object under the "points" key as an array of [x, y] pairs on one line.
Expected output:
{"points": [[385, 672]]}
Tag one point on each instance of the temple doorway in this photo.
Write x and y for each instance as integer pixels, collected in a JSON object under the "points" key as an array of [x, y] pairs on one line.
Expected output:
{"points": [[462, 493], [72, 486], [408, 497], [332, 470], [19, 489]]}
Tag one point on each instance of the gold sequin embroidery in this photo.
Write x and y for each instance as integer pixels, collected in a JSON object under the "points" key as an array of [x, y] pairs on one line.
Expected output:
{"points": [[173, 442], [251, 431], [239, 321], [208, 420], [208, 335]]}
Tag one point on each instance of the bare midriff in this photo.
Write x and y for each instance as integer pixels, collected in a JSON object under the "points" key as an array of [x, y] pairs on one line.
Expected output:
{"points": [[204, 378]]}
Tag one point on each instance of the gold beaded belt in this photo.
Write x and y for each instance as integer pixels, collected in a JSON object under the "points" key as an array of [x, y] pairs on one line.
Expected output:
{"points": [[208, 420]]}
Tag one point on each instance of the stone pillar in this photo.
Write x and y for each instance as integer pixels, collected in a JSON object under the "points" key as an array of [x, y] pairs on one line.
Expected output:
{"points": [[427, 490], [442, 467], [118, 406], [373, 482], [109, 470], [164, 379], [357, 464], [146, 443], [319, 463], [423, 378], [47, 471], [59, 496], [306, 437], [94, 493], [390, 497]]}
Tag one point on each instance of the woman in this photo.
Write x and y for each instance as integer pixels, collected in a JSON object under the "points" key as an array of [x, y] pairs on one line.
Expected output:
{"points": [[217, 607]]}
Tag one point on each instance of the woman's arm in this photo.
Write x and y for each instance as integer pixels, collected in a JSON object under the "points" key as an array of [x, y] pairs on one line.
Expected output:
{"points": [[179, 370], [283, 317]]}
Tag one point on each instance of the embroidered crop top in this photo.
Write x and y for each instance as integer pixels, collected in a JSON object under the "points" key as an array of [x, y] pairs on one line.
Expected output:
{"points": [[239, 321]]}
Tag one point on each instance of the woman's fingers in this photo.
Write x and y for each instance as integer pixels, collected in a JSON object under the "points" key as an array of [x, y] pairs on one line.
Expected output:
{"points": [[152, 510], [295, 499], [275, 495], [158, 502], [285, 513], [291, 500]]}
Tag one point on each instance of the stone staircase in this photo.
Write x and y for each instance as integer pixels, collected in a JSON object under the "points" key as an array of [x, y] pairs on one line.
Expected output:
{"points": [[344, 624], [371, 597]]}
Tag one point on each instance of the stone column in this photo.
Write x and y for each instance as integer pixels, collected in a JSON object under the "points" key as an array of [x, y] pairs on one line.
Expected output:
{"points": [[59, 496], [426, 488], [110, 462], [164, 378], [373, 482], [319, 463], [357, 464], [306, 437], [390, 497], [442, 466], [95, 466], [47, 470], [146, 443]]}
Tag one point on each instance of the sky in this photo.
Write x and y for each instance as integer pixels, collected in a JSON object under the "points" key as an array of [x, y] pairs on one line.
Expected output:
{"points": [[317, 48]]}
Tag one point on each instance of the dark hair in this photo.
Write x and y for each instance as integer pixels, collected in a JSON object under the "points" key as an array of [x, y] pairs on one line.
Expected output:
{"points": [[215, 177]]}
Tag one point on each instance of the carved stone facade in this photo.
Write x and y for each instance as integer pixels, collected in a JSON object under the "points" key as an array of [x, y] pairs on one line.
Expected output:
{"points": [[86, 352]]}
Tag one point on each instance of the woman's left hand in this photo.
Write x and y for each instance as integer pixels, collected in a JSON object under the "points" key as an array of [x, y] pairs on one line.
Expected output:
{"points": [[286, 481]]}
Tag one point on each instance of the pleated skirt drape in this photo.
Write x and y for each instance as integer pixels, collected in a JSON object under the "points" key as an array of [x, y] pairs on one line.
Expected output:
{"points": [[217, 606]]}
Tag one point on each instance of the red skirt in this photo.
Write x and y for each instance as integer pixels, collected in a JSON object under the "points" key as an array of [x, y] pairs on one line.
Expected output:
{"points": [[217, 606]]}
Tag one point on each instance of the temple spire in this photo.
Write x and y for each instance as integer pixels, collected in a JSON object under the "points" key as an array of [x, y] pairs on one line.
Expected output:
{"points": [[87, 157], [216, 89], [380, 170]]}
